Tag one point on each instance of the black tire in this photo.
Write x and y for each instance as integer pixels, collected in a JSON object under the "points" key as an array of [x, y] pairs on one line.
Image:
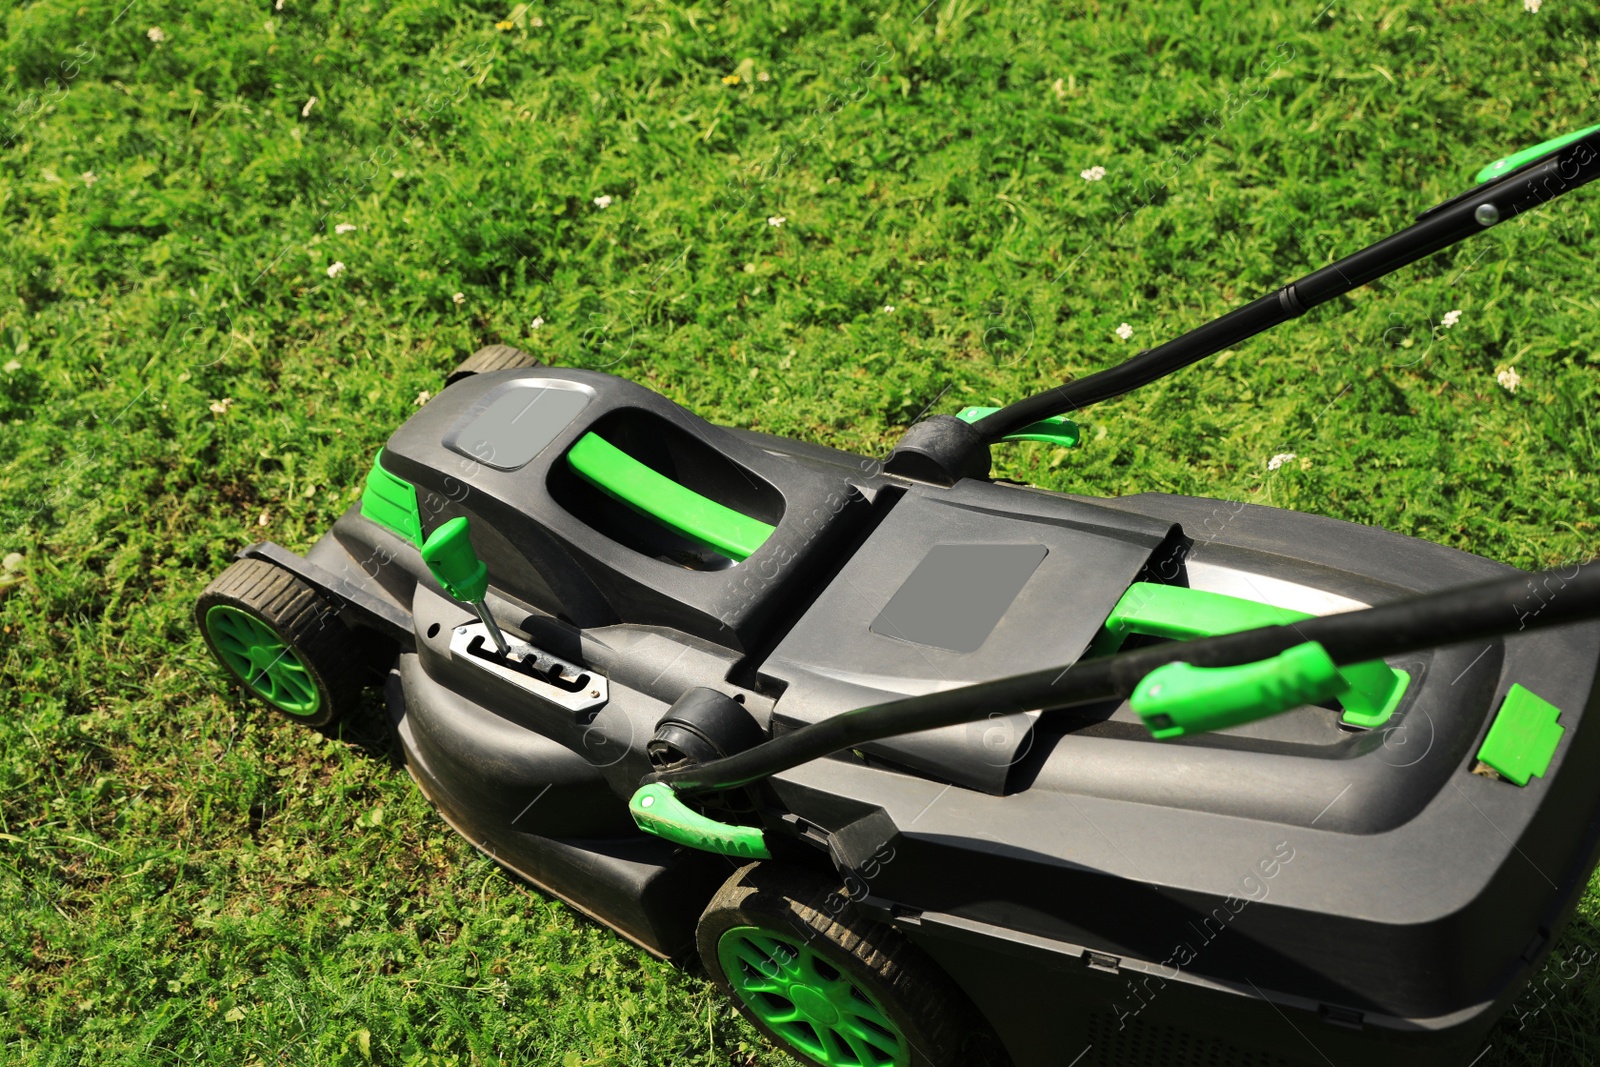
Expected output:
{"points": [[494, 357], [317, 667], [864, 973]]}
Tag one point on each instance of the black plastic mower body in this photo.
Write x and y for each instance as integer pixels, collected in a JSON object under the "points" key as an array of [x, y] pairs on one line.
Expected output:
{"points": [[1294, 890]]}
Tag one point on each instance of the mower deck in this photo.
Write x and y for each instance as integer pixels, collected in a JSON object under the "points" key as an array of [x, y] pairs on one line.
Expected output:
{"points": [[1295, 888]]}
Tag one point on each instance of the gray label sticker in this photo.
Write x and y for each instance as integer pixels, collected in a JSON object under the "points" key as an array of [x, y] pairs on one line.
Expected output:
{"points": [[958, 594], [518, 424]]}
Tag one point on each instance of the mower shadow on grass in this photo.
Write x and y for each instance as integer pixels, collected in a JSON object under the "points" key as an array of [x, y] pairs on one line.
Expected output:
{"points": [[370, 730], [1552, 1020], [367, 730]]}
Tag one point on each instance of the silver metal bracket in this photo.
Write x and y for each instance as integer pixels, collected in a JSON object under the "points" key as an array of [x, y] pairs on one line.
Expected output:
{"points": [[566, 685]]}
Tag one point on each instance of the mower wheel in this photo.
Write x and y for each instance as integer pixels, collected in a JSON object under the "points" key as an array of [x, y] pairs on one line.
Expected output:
{"points": [[283, 641], [493, 357], [831, 987]]}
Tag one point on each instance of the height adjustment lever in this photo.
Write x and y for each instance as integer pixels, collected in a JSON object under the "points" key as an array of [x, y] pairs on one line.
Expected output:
{"points": [[449, 555]]}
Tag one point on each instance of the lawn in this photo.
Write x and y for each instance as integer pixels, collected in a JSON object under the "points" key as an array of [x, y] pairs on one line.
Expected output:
{"points": [[244, 240]]}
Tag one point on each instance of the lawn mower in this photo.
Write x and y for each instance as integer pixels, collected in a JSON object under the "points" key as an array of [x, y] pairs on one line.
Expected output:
{"points": [[930, 769]]}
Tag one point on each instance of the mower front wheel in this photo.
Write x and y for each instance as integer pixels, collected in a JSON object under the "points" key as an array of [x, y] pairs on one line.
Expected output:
{"points": [[830, 987], [491, 358], [283, 641]]}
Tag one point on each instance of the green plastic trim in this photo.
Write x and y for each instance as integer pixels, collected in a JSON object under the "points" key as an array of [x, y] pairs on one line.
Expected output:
{"points": [[391, 502], [261, 659], [1523, 737], [1179, 614], [449, 555], [1181, 699], [809, 1001], [701, 520], [1528, 155], [1376, 690], [1055, 430], [657, 810]]}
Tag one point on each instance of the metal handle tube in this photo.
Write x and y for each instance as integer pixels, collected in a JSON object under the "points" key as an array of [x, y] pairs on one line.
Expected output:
{"points": [[1438, 228]]}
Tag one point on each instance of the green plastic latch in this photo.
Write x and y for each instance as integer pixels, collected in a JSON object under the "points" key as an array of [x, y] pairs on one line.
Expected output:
{"points": [[1523, 737], [1056, 430], [651, 493], [1528, 155], [449, 555], [1179, 614], [657, 810], [391, 502], [1181, 699], [1375, 691]]}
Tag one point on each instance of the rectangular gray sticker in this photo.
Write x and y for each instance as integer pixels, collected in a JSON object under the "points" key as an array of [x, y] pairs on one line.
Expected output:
{"points": [[957, 595], [519, 423]]}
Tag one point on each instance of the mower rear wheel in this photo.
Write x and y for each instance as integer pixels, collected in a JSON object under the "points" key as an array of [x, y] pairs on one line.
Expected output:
{"points": [[831, 987], [492, 357], [282, 640]]}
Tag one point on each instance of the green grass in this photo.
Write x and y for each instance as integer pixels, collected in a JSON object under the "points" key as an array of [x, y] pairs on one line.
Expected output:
{"points": [[181, 881]]}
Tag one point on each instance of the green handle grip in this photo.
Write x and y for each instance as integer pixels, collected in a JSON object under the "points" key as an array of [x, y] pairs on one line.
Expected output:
{"points": [[449, 555], [1528, 155], [657, 810], [1180, 698], [1181, 614], [700, 519]]}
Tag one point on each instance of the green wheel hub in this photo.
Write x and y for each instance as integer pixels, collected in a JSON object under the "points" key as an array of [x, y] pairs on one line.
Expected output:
{"points": [[263, 660], [814, 1006]]}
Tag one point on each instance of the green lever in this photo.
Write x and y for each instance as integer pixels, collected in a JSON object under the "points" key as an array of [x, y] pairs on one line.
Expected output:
{"points": [[1056, 430], [1177, 613], [1180, 698], [1528, 155], [657, 810], [449, 555]]}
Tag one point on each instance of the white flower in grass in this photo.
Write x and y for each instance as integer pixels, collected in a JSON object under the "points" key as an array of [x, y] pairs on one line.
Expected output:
{"points": [[220, 407], [536, 21], [536, 323], [1508, 378], [156, 34], [1279, 460], [602, 202], [344, 227], [1093, 174], [13, 365], [888, 309], [305, 112], [459, 298], [1124, 331], [763, 76], [336, 270], [776, 220], [89, 177], [422, 398], [1451, 318], [276, 7], [1531, 5]]}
